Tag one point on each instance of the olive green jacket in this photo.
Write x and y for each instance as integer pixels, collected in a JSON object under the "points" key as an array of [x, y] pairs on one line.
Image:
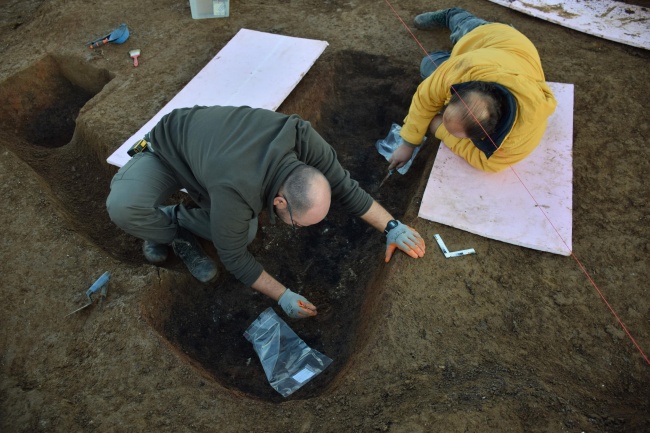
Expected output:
{"points": [[233, 160]]}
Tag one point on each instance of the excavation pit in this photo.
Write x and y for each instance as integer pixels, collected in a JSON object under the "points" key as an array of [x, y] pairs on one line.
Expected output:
{"points": [[41, 103], [352, 101], [40, 123]]}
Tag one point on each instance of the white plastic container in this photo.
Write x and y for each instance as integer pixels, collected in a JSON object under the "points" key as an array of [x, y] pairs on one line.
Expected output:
{"points": [[209, 8]]}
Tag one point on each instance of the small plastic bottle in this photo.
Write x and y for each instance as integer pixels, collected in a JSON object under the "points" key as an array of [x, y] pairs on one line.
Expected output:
{"points": [[210, 9]]}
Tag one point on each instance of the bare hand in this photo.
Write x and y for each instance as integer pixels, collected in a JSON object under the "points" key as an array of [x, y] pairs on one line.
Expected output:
{"points": [[400, 156]]}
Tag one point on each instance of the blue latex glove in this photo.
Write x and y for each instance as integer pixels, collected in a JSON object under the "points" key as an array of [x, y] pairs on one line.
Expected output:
{"points": [[296, 306], [406, 239]]}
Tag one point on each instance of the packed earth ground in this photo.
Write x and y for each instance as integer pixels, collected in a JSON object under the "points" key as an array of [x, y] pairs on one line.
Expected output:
{"points": [[507, 340]]}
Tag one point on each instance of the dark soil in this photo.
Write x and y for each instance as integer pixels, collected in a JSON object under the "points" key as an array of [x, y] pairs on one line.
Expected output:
{"points": [[334, 261]]}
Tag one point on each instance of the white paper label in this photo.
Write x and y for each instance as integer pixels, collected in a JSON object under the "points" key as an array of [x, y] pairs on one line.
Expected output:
{"points": [[303, 375]]}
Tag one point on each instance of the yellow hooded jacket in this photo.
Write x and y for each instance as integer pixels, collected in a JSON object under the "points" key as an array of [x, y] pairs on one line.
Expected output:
{"points": [[494, 53]]}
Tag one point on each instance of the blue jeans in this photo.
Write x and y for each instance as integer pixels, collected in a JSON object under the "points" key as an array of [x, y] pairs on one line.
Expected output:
{"points": [[460, 22]]}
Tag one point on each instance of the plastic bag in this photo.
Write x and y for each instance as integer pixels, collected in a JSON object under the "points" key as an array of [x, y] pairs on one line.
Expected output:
{"points": [[287, 360], [386, 146]]}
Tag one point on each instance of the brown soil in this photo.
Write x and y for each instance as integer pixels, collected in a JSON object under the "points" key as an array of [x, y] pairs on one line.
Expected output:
{"points": [[509, 339]]}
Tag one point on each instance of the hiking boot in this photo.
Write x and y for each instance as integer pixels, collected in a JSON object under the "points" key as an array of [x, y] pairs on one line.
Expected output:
{"points": [[431, 20], [154, 253], [198, 263]]}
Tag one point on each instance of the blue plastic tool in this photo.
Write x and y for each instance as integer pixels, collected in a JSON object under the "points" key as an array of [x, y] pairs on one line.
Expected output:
{"points": [[117, 36], [101, 283]]}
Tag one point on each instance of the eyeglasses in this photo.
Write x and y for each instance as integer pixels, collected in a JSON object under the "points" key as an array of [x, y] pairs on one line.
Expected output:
{"points": [[293, 225]]}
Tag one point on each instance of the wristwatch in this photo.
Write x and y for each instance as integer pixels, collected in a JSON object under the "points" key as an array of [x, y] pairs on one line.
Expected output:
{"points": [[390, 226]]}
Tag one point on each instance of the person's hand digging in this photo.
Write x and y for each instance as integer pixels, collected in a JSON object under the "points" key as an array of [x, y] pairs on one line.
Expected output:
{"points": [[401, 156], [296, 306], [406, 239]]}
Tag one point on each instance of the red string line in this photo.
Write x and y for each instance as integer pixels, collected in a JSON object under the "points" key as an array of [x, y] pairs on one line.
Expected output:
{"points": [[575, 258]]}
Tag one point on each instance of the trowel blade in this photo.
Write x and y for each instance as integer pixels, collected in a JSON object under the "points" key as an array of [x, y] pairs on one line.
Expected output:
{"points": [[390, 172], [90, 302]]}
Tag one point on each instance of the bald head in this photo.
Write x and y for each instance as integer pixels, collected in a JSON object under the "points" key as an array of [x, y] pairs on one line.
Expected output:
{"points": [[473, 111], [309, 195]]}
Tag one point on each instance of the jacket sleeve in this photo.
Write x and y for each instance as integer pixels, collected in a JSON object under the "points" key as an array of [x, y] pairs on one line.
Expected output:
{"points": [[431, 96], [229, 225], [313, 150], [518, 145]]}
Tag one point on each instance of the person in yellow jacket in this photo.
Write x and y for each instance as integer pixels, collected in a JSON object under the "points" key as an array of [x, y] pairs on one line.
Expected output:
{"points": [[487, 99]]}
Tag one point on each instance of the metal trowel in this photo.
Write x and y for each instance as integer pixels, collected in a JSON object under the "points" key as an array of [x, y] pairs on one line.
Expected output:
{"points": [[101, 283], [390, 173]]}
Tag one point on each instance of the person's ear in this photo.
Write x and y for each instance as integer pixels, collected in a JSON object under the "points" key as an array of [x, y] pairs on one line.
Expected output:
{"points": [[280, 202]]}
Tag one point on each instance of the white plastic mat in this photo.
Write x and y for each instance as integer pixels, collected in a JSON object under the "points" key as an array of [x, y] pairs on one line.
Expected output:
{"points": [[529, 204], [255, 69], [613, 20]]}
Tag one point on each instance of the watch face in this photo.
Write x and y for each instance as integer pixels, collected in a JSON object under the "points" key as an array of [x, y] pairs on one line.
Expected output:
{"points": [[390, 226]]}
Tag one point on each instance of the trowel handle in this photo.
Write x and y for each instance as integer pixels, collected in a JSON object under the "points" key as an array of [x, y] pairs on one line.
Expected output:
{"points": [[101, 281], [98, 43]]}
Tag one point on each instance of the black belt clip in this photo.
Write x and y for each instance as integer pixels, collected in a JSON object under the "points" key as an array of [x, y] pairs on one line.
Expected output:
{"points": [[139, 146]]}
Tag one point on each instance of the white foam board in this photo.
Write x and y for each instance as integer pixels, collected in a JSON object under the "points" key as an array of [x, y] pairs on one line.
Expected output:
{"points": [[612, 20], [255, 68], [529, 204]]}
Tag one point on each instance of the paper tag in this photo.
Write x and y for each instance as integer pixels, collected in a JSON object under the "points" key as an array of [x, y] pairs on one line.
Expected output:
{"points": [[303, 375]]}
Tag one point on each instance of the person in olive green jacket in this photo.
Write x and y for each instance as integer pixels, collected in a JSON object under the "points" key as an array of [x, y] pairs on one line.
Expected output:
{"points": [[234, 162], [487, 99]]}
